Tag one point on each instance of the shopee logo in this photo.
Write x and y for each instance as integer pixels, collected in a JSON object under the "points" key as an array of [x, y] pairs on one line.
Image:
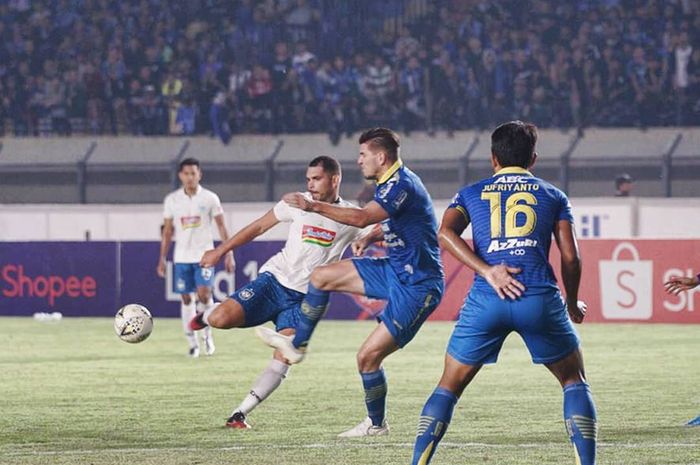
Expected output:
{"points": [[47, 287]]}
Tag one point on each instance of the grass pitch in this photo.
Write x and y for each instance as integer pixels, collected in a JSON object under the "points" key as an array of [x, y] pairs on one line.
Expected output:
{"points": [[72, 393]]}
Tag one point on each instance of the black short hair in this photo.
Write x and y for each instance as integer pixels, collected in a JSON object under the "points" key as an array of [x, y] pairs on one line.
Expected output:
{"points": [[513, 144], [329, 164], [384, 139], [188, 162], [622, 178]]}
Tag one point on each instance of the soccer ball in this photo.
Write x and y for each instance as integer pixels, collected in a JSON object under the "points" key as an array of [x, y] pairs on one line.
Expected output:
{"points": [[133, 323]]}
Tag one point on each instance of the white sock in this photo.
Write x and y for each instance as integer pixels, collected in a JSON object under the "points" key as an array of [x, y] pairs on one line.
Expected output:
{"points": [[267, 382], [206, 310], [187, 313]]}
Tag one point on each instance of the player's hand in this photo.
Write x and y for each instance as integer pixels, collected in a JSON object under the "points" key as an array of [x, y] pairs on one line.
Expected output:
{"points": [[210, 259], [678, 284], [230, 262], [501, 279], [577, 311], [358, 247], [297, 200], [160, 269]]}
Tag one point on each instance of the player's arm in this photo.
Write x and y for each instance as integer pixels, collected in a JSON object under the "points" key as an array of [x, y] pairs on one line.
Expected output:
{"points": [[371, 213], [245, 235], [570, 268], [454, 222], [230, 263], [166, 238], [368, 237]]}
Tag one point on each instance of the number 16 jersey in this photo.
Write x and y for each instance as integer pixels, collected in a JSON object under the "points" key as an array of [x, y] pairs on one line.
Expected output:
{"points": [[513, 215]]}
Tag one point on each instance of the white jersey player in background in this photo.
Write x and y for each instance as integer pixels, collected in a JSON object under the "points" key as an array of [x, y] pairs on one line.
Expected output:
{"points": [[191, 211], [276, 294]]}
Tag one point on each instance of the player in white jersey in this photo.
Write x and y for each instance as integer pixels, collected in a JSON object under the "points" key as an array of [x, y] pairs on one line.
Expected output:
{"points": [[276, 294], [191, 211]]}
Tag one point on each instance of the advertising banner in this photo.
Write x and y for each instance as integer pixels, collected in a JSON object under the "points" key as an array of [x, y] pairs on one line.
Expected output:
{"points": [[74, 278], [622, 280]]}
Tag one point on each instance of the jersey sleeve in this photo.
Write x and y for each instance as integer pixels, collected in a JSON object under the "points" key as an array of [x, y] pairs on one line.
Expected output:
{"points": [[168, 212], [393, 196], [460, 204], [283, 212], [216, 208], [565, 213]]}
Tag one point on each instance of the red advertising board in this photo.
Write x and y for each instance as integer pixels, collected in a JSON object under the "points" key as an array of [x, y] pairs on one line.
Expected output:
{"points": [[622, 281]]}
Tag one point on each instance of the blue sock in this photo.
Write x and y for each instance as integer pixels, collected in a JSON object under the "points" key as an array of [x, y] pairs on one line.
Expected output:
{"points": [[375, 395], [434, 420], [580, 418], [313, 307]]}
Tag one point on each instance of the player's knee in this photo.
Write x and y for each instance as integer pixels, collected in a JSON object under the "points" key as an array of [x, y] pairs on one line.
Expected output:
{"points": [[217, 319], [321, 278], [186, 299], [203, 295], [368, 360]]}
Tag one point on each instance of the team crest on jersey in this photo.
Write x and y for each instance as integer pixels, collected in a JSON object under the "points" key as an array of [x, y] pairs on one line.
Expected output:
{"points": [[318, 236], [190, 222], [246, 294]]}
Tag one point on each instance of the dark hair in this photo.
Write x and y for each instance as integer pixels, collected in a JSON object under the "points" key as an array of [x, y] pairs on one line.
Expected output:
{"points": [[621, 179], [384, 139], [188, 162], [513, 144], [329, 164]]}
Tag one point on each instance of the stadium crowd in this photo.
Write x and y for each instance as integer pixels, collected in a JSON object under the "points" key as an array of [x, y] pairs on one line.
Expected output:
{"points": [[153, 67]]}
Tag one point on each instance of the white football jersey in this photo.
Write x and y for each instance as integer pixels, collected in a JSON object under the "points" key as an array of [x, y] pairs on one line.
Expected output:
{"points": [[313, 240], [192, 218]]}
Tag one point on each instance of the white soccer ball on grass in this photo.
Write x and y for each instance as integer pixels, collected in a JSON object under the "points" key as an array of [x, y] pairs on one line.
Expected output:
{"points": [[133, 323]]}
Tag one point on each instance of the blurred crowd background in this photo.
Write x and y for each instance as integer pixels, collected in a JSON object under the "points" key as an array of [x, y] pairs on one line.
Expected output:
{"points": [[222, 67]]}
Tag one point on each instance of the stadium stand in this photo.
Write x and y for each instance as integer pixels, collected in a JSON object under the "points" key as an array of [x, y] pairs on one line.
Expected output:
{"points": [[221, 67]]}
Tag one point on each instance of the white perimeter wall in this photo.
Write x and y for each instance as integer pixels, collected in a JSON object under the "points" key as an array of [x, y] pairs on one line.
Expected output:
{"points": [[595, 218]]}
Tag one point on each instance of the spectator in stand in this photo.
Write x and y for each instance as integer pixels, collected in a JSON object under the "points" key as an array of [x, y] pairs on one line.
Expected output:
{"points": [[623, 185], [259, 89], [412, 92]]}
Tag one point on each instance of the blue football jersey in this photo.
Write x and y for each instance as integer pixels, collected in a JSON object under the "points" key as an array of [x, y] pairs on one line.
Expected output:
{"points": [[410, 232], [513, 214]]}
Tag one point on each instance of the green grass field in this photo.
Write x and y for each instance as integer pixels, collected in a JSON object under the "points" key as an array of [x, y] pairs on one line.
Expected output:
{"points": [[72, 393]]}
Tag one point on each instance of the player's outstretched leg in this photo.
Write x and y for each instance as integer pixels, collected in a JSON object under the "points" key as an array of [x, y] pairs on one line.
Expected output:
{"points": [[579, 410], [228, 314], [269, 380], [342, 277], [437, 412]]}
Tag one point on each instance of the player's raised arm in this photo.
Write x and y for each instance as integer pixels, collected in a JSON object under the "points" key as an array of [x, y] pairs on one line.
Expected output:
{"points": [[454, 222], [245, 235], [371, 213], [570, 268]]}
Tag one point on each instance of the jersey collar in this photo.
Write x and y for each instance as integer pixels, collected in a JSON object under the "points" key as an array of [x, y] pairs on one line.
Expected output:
{"points": [[513, 170], [390, 172], [196, 192]]}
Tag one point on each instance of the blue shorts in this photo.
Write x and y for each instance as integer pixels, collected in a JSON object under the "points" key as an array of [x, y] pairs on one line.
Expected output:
{"points": [[409, 305], [265, 299], [485, 320], [190, 276]]}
